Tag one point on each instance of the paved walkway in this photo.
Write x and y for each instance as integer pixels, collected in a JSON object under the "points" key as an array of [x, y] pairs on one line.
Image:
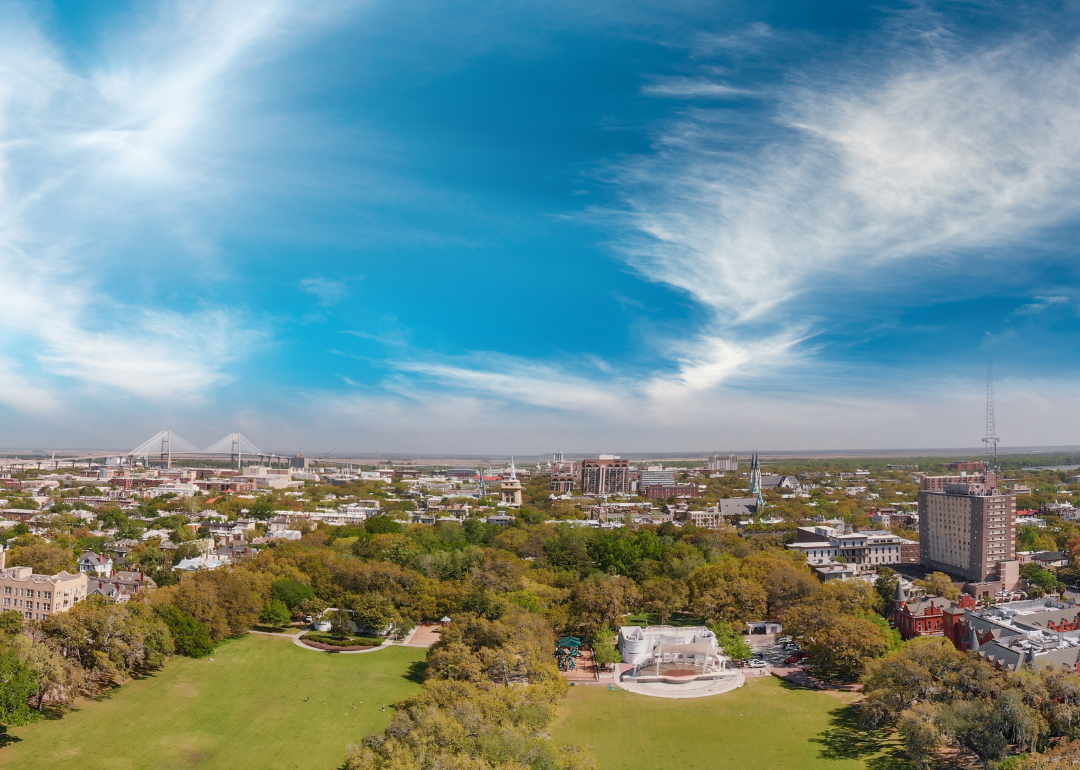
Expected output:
{"points": [[698, 689], [409, 641]]}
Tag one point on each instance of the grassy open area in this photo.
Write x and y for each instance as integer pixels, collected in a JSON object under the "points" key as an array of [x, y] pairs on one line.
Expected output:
{"points": [[762, 724], [652, 619], [244, 709]]}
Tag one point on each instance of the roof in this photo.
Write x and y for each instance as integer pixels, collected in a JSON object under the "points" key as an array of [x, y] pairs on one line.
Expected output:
{"points": [[1049, 556], [93, 558], [736, 506]]}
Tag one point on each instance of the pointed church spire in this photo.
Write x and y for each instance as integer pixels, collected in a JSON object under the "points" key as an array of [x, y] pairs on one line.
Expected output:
{"points": [[513, 470], [755, 480]]}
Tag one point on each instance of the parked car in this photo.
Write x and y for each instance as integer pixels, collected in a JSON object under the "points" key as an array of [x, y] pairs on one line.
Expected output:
{"points": [[792, 647], [308, 619], [784, 640], [757, 663], [792, 660]]}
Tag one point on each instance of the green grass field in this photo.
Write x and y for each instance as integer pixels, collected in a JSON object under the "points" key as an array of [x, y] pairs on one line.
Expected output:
{"points": [[243, 709], [760, 725]]}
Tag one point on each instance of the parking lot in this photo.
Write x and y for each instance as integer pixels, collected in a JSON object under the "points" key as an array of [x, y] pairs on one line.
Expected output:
{"points": [[767, 648]]}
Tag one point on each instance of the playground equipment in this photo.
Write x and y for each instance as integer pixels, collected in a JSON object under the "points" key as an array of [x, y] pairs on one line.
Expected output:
{"points": [[567, 651]]}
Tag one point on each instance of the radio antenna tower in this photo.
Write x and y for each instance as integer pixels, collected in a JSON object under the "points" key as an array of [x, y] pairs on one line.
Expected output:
{"points": [[991, 438]]}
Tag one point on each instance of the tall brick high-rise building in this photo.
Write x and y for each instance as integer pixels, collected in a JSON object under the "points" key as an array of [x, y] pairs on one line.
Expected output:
{"points": [[967, 527], [607, 475]]}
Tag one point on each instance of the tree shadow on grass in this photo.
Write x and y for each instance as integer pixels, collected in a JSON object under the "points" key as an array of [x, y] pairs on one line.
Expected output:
{"points": [[417, 671], [847, 739], [6, 738]]}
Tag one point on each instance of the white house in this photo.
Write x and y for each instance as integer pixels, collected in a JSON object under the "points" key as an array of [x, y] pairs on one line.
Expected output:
{"points": [[90, 562]]}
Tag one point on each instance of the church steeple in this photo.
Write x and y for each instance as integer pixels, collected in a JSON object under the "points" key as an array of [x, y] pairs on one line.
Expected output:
{"points": [[755, 480]]}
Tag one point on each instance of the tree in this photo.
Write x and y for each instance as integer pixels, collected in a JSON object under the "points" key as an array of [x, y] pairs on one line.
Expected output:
{"points": [[922, 736], [275, 614], [111, 518], [18, 684], [341, 625], [1038, 576], [485, 604], [605, 651], [53, 670], [939, 584], [383, 525], [262, 509], [190, 637], [42, 558], [11, 622], [373, 612], [600, 601], [842, 646], [665, 596], [885, 585], [731, 641], [735, 600], [292, 592]]}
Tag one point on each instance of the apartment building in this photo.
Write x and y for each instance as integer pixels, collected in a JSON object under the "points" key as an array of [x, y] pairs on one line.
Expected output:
{"points": [[606, 475], [867, 550], [38, 596], [718, 462], [967, 527]]}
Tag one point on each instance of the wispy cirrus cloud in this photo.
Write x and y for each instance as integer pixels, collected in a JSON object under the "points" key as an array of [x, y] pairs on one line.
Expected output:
{"points": [[946, 156], [102, 166], [931, 158], [693, 88]]}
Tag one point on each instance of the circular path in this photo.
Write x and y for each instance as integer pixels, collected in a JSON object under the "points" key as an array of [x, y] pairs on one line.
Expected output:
{"points": [[698, 689]]}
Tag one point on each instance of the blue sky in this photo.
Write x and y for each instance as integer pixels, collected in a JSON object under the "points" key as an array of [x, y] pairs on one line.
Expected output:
{"points": [[513, 227]]}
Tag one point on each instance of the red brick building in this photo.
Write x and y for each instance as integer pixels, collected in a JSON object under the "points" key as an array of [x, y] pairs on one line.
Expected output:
{"points": [[928, 616]]}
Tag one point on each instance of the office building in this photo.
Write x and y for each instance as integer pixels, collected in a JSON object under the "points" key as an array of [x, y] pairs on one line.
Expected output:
{"points": [[655, 475]]}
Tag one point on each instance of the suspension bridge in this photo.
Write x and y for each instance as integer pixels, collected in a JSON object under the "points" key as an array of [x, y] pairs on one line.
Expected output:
{"points": [[165, 445]]}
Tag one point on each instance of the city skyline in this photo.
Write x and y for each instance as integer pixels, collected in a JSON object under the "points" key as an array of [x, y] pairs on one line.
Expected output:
{"points": [[494, 229]]}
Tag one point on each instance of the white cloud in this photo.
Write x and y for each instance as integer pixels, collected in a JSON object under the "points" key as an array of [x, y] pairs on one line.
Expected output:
{"points": [[327, 291], [930, 158], [22, 393], [91, 157], [691, 88]]}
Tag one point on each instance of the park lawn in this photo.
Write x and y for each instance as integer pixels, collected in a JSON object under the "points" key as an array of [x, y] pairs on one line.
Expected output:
{"points": [[653, 619], [244, 709], [760, 725]]}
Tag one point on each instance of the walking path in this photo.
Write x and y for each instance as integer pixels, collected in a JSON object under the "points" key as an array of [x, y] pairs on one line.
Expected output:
{"points": [[419, 637]]}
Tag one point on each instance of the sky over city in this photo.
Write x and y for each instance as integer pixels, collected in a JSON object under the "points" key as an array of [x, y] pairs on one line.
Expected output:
{"points": [[531, 227]]}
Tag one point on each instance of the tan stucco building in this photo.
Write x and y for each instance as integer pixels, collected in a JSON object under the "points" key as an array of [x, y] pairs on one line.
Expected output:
{"points": [[38, 596]]}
